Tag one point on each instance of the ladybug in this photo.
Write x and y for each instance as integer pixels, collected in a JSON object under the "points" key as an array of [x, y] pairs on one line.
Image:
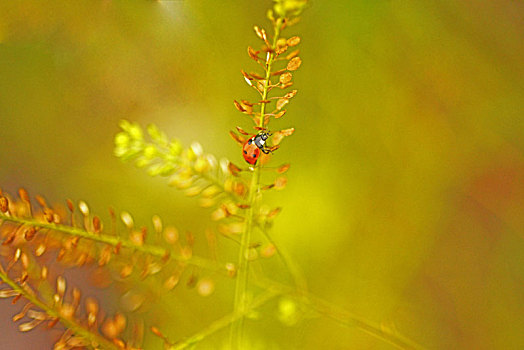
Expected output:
{"points": [[253, 146]]}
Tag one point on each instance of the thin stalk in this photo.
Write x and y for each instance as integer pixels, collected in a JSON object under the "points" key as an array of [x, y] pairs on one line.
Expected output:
{"points": [[241, 295], [74, 326], [290, 264], [341, 316], [115, 241], [346, 319], [224, 321]]}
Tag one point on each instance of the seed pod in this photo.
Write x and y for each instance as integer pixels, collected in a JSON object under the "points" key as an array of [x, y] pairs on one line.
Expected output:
{"points": [[97, 224], [127, 219], [8, 293], [205, 287], [239, 106], [231, 269], [4, 204], [283, 168], [294, 63], [70, 205], [252, 53], [25, 327], [30, 233], [293, 41], [60, 286], [261, 33], [171, 235], [23, 195], [285, 78], [281, 103], [290, 94], [171, 282], [84, 209], [292, 54]]}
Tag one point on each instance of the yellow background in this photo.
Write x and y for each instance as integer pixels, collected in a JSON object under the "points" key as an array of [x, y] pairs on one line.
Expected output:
{"points": [[405, 200]]}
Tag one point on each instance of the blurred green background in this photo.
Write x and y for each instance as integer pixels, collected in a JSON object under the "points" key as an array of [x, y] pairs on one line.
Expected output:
{"points": [[405, 201]]}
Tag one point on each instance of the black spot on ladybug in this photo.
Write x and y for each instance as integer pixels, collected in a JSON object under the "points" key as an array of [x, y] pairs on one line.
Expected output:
{"points": [[245, 152], [254, 155]]}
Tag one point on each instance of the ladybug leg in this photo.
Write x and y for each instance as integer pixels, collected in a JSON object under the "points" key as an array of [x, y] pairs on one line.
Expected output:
{"points": [[265, 150]]}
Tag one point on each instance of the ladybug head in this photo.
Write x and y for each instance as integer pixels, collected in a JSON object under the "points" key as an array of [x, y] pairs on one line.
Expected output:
{"points": [[264, 135]]}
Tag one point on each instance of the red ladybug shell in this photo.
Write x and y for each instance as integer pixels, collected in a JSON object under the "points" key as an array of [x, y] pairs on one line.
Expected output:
{"points": [[250, 151]]}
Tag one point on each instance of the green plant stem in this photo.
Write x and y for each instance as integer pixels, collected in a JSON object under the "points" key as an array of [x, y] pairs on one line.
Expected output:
{"points": [[347, 319], [241, 295], [341, 316], [115, 241], [225, 321], [291, 266], [313, 302], [74, 326]]}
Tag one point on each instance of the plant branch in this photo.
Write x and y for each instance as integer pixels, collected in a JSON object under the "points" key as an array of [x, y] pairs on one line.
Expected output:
{"points": [[114, 241], [291, 266], [240, 303], [341, 316], [70, 324], [225, 321]]}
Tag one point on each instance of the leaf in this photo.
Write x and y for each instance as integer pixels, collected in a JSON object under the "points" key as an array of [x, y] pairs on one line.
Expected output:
{"points": [[294, 63]]}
